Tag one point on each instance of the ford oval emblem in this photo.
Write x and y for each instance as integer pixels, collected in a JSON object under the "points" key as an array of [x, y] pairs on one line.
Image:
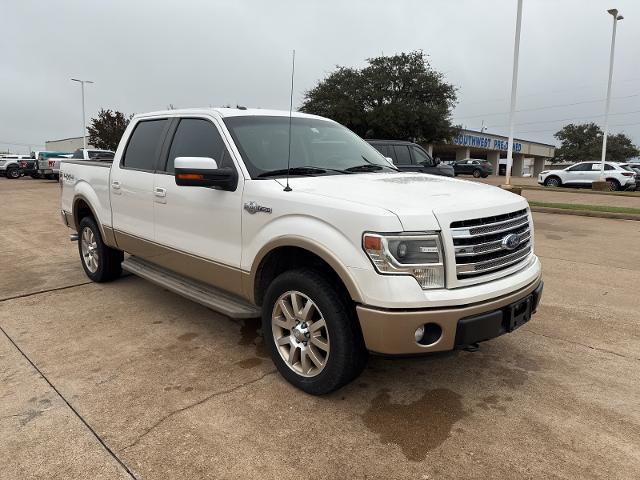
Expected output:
{"points": [[511, 241]]}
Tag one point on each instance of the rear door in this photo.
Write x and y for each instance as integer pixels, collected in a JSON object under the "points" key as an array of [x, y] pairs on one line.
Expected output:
{"points": [[131, 185], [199, 221]]}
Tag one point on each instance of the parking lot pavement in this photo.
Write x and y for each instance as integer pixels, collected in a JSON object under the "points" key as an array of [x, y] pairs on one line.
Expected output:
{"points": [[177, 391]]}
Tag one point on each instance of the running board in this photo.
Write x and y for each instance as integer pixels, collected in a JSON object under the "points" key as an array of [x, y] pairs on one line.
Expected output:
{"points": [[211, 297]]}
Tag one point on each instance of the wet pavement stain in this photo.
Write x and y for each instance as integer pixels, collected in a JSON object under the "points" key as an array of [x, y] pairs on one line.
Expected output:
{"points": [[251, 334], [249, 362], [417, 427], [187, 337], [493, 402]]}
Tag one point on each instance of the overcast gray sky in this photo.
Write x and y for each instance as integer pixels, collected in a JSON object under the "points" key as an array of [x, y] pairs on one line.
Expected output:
{"points": [[145, 55]]}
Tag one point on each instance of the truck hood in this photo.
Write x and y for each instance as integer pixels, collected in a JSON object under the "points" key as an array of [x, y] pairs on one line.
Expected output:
{"points": [[416, 198]]}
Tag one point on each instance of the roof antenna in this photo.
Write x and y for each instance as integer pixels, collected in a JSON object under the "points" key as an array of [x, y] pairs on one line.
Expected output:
{"points": [[293, 71]]}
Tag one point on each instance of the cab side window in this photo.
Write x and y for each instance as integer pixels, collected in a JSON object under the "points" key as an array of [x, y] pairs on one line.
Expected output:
{"points": [[197, 137], [402, 155], [581, 167], [144, 145], [421, 157]]}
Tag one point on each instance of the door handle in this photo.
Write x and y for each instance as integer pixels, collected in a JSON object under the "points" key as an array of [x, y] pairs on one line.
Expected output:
{"points": [[115, 185], [160, 192]]}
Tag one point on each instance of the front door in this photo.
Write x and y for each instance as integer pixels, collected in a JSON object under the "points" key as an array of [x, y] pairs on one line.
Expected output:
{"points": [[423, 161], [199, 225]]}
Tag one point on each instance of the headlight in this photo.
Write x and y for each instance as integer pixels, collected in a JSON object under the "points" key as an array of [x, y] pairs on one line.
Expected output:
{"points": [[416, 254]]}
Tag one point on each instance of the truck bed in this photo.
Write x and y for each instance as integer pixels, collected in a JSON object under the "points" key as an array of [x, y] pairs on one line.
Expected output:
{"points": [[87, 180]]}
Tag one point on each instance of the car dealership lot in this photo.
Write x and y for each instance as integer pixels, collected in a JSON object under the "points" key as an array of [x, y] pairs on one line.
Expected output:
{"points": [[172, 389]]}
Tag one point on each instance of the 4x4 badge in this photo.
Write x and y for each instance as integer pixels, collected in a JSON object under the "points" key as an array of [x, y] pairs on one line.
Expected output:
{"points": [[253, 207]]}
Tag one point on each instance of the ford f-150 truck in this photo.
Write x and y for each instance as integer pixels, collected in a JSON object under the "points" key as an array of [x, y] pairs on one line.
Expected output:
{"points": [[299, 221]]}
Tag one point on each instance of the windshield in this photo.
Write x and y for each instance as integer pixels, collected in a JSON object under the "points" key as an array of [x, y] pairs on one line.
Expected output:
{"points": [[263, 143]]}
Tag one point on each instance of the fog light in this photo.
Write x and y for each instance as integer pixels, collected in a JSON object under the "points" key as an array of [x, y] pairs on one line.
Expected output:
{"points": [[428, 334], [419, 333]]}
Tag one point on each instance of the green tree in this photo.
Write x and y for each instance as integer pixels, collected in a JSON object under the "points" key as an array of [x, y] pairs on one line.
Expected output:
{"points": [[396, 97], [105, 131], [584, 142]]}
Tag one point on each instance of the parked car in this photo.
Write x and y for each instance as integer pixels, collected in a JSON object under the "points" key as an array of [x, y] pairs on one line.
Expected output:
{"points": [[29, 167], [81, 154], [473, 166], [93, 154], [10, 165], [46, 162], [411, 157], [583, 174], [634, 167], [340, 254]]}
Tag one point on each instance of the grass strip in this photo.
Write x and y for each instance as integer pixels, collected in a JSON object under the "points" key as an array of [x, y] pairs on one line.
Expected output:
{"points": [[589, 208], [587, 191]]}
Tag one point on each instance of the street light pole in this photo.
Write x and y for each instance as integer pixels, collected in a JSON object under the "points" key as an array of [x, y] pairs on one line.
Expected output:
{"points": [[614, 13], [84, 120], [514, 88]]}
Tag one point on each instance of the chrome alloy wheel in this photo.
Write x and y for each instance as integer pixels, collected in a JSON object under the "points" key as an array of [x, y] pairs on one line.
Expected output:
{"points": [[89, 248], [300, 333]]}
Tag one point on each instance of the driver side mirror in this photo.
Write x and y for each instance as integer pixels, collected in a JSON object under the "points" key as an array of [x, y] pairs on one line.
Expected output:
{"points": [[204, 172], [437, 160], [390, 160]]}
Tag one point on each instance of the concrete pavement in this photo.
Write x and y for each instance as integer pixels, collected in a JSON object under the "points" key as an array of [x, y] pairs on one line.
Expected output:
{"points": [[162, 387]]}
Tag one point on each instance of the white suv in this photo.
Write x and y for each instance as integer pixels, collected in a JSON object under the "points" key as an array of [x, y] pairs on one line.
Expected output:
{"points": [[585, 173]]}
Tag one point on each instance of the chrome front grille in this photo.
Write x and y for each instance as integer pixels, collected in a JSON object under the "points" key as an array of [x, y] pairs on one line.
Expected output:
{"points": [[479, 246]]}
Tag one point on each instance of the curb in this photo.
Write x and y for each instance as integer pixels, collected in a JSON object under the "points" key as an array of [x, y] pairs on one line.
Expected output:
{"points": [[587, 213]]}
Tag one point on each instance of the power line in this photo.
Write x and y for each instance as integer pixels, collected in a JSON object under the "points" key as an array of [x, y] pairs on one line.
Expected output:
{"points": [[555, 129], [568, 119], [547, 107], [549, 92]]}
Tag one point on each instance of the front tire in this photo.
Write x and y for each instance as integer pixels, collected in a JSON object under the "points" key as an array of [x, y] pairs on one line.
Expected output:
{"points": [[552, 182], [477, 173], [312, 332], [100, 262], [13, 173]]}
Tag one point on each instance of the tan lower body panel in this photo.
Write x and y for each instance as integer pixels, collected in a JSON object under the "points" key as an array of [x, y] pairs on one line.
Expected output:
{"points": [[391, 332], [198, 268]]}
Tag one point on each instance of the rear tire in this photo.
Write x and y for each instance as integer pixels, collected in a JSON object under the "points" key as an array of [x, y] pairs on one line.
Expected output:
{"points": [[312, 333], [613, 184], [100, 262], [477, 173], [552, 182]]}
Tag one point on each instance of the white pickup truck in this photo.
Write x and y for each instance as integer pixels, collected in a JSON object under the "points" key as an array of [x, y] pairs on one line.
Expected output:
{"points": [[346, 257]]}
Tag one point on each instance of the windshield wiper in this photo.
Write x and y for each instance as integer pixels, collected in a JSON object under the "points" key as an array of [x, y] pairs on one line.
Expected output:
{"points": [[293, 171], [367, 167], [308, 170]]}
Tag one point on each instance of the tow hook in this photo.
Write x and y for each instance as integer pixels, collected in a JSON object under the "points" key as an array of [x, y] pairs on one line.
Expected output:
{"points": [[73, 237], [473, 347]]}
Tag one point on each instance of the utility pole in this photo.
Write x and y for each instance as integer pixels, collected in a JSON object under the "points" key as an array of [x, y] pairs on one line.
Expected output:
{"points": [[614, 13], [84, 120], [514, 88]]}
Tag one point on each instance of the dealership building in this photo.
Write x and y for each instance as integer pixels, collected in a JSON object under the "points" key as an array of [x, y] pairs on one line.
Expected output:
{"points": [[528, 156]]}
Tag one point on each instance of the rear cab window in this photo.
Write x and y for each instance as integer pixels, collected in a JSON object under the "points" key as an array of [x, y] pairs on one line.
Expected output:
{"points": [[144, 145]]}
